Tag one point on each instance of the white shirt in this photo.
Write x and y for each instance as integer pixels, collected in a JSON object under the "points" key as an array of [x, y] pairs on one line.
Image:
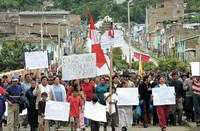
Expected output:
{"points": [[46, 89], [114, 98], [163, 85]]}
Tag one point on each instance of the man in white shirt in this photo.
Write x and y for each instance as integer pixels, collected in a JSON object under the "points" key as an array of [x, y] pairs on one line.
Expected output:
{"points": [[43, 87], [111, 103]]}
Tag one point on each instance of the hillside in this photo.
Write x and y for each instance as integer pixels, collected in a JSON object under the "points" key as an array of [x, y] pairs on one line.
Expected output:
{"points": [[98, 8]]}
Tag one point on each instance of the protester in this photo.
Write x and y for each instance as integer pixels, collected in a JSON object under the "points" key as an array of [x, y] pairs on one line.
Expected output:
{"points": [[81, 116], [153, 84], [5, 81], [163, 110], [188, 103], [58, 92], [26, 85], [14, 92], [27, 82], [43, 124], [3, 106], [32, 111], [177, 110], [88, 89], [75, 108], [127, 111], [111, 103], [77, 92], [43, 87], [196, 99], [145, 94], [50, 80], [101, 89]]}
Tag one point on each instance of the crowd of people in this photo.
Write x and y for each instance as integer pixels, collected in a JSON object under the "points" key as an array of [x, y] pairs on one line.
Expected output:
{"points": [[21, 92]]}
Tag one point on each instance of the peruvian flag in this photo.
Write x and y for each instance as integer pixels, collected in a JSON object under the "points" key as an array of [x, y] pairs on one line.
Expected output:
{"points": [[141, 57], [96, 47]]}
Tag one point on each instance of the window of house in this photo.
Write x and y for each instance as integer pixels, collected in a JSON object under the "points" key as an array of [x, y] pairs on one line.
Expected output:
{"points": [[161, 4]]}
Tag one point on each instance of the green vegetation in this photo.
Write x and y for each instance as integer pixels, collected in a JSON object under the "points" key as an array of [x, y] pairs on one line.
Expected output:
{"points": [[172, 63], [12, 55], [98, 8], [118, 62], [167, 64], [193, 6]]}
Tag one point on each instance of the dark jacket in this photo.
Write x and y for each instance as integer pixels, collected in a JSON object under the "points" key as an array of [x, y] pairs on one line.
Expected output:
{"points": [[32, 112], [144, 93], [178, 85], [2, 107]]}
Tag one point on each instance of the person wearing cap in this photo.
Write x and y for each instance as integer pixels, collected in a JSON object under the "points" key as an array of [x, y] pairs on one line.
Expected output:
{"points": [[14, 93]]}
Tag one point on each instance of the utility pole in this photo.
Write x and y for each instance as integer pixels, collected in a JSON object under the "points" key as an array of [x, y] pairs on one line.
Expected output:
{"points": [[129, 33], [41, 26], [59, 45]]}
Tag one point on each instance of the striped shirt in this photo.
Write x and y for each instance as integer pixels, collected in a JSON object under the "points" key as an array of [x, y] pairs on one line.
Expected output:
{"points": [[196, 87]]}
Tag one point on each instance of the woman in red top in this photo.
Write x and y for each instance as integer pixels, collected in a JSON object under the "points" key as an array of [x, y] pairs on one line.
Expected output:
{"points": [[88, 89], [2, 91], [75, 108]]}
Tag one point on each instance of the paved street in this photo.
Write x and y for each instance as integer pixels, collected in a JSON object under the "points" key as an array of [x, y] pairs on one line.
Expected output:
{"points": [[135, 129]]}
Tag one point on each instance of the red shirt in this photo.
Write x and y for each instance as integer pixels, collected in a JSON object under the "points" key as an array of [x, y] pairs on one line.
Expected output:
{"points": [[88, 90], [75, 105], [68, 92], [2, 91]]}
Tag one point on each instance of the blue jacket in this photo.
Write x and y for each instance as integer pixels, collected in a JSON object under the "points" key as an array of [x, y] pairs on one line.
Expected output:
{"points": [[101, 89], [2, 107]]}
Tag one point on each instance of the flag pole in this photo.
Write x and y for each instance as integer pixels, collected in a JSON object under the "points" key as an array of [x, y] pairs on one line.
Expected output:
{"points": [[111, 72]]}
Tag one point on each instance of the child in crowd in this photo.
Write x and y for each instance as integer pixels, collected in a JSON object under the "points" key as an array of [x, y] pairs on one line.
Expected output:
{"points": [[75, 108], [43, 124], [81, 116]]}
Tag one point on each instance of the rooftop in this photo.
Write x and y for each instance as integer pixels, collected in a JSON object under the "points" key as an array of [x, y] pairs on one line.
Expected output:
{"points": [[45, 13]]}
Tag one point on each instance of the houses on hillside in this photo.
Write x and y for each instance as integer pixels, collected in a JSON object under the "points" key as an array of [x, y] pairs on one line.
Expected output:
{"points": [[167, 33], [46, 30]]}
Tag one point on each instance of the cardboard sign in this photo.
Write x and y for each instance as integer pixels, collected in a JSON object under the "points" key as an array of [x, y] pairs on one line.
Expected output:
{"points": [[79, 66]]}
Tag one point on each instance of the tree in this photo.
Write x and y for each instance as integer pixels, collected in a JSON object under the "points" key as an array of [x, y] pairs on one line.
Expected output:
{"points": [[193, 6], [171, 63], [12, 55], [147, 66], [118, 62]]}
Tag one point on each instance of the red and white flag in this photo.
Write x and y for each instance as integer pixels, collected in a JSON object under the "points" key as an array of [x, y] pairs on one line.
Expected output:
{"points": [[96, 48], [141, 57]]}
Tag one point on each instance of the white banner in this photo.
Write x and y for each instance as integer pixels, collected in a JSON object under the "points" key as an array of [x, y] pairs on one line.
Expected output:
{"points": [[195, 67], [79, 66], [36, 60], [96, 112], [24, 112], [128, 96], [58, 111], [164, 96]]}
